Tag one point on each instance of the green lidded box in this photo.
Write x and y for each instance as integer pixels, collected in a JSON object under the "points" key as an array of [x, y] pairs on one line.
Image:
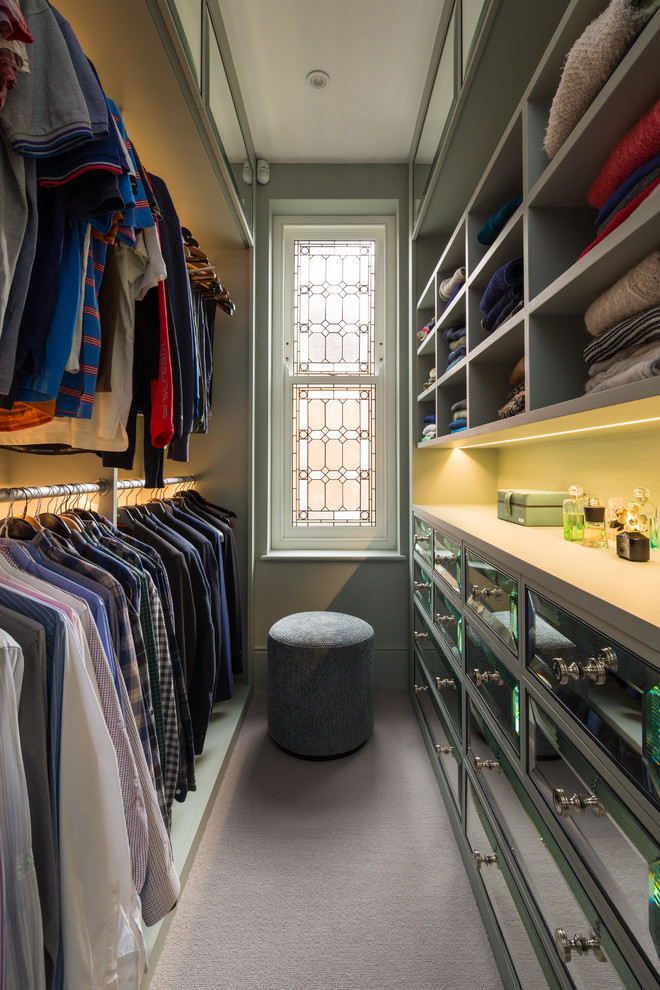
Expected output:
{"points": [[531, 507]]}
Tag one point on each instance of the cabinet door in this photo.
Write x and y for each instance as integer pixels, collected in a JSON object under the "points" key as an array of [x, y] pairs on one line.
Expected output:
{"points": [[493, 595], [423, 588], [447, 622], [445, 680], [447, 752], [619, 852], [447, 559], [583, 944], [497, 686], [611, 692], [423, 540]]}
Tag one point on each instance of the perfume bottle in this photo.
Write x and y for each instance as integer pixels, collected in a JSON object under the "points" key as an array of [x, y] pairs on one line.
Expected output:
{"points": [[612, 523], [573, 514], [641, 501], [594, 534]]}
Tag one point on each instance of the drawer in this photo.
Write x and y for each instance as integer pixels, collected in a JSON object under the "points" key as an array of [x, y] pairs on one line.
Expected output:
{"points": [[621, 855], [442, 675], [447, 622], [518, 935], [495, 683], [423, 540], [613, 693], [447, 559], [448, 754], [493, 595], [423, 588], [591, 960]]}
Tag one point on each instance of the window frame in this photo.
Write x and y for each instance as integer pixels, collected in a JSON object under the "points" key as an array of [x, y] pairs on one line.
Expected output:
{"points": [[363, 539]]}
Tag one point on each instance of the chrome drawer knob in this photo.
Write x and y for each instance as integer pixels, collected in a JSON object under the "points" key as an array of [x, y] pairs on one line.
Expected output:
{"points": [[487, 592], [446, 558], [480, 765], [443, 749], [446, 682], [578, 944], [486, 860], [420, 538], [418, 585], [420, 687], [445, 620], [565, 804], [419, 635], [594, 669], [487, 677]]}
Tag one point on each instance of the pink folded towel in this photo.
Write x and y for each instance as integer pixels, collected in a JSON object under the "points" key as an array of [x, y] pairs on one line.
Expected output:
{"points": [[635, 292], [589, 64], [636, 146]]}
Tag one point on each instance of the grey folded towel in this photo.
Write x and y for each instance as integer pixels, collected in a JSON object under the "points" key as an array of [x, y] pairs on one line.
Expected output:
{"points": [[643, 363], [589, 64], [633, 332], [634, 292]]}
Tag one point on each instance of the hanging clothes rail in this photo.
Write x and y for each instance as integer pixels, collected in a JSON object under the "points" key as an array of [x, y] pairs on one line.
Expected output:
{"points": [[101, 487], [130, 483]]}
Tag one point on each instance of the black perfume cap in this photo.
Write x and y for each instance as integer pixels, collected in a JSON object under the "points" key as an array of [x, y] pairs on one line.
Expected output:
{"points": [[594, 513], [633, 546]]}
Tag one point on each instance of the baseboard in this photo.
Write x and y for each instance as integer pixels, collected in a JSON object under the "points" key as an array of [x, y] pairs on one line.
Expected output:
{"points": [[391, 670]]}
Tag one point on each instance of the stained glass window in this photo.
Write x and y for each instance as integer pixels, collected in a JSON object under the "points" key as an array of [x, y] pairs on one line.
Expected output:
{"points": [[334, 307], [334, 455]]}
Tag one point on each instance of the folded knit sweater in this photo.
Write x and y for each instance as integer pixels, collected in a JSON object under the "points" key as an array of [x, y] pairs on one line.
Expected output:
{"points": [[636, 291]]}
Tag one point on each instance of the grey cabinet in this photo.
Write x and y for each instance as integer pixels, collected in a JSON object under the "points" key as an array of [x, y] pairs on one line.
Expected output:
{"points": [[545, 746]]}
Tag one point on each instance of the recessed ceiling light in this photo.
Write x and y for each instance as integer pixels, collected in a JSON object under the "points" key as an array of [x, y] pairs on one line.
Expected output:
{"points": [[318, 79]]}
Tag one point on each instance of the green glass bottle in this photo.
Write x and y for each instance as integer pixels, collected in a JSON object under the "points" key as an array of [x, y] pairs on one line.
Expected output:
{"points": [[642, 502], [573, 514]]}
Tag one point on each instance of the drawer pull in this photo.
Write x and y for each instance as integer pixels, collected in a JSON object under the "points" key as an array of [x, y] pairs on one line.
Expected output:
{"points": [[420, 538], [420, 687], [446, 682], [579, 944], [418, 585], [419, 635], [487, 676], [564, 804], [486, 860], [443, 749], [480, 765], [488, 592], [446, 558], [595, 668], [445, 620]]}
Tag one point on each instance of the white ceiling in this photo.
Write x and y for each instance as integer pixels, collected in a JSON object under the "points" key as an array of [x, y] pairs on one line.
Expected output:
{"points": [[377, 53]]}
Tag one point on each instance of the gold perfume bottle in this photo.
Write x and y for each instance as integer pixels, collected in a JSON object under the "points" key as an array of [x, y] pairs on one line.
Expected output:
{"points": [[595, 534]]}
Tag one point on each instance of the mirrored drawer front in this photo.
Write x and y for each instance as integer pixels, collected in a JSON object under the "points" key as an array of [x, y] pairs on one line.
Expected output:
{"points": [[423, 588], [447, 621], [447, 752], [581, 940], [621, 855], [447, 559], [494, 597], [533, 971], [612, 692], [497, 686], [423, 540], [444, 678]]}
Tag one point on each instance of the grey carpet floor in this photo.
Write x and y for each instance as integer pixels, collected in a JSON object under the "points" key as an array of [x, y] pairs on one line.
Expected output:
{"points": [[337, 875]]}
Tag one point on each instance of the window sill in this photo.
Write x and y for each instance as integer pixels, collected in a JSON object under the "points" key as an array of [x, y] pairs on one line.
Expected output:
{"points": [[280, 555]]}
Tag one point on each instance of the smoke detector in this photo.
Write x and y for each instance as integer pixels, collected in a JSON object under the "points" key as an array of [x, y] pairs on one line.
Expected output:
{"points": [[318, 79]]}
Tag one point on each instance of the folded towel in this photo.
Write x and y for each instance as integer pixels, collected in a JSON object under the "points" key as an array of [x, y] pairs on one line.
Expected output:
{"points": [[518, 373], [503, 311], [624, 193], [506, 277], [461, 404], [457, 424], [459, 414], [427, 438], [430, 418], [457, 343], [635, 331], [449, 285], [622, 215], [636, 146], [634, 292], [515, 402], [455, 356], [589, 64], [455, 291], [428, 430], [453, 333], [490, 230], [600, 366], [643, 363]]}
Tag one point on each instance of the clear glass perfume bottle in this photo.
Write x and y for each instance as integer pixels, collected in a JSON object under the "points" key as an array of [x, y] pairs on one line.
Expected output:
{"points": [[595, 534], [612, 524], [573, 514], [642, 502]]}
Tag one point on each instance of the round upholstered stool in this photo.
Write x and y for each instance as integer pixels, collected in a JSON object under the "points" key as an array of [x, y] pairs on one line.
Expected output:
{"points": [[320, 683]]}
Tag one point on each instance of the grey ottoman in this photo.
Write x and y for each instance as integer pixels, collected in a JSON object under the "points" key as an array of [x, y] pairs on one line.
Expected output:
{"points": [[320, 683]]}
